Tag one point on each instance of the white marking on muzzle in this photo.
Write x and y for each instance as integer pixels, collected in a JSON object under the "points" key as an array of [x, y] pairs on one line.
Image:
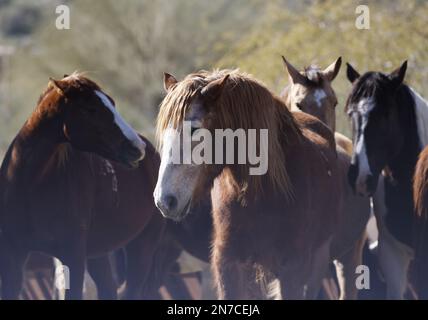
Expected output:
{"points": [[169, 139], [363, 165], [360, 149], [126, 129]]}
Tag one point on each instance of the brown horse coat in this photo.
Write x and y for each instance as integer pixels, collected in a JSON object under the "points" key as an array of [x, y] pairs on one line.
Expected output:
{"points": [[69, 203], [282, 222]]}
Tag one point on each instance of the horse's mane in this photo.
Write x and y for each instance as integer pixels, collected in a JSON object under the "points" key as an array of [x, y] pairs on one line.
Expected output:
{"points": [[366, 86], [314, 74], [244, 103], [75, 80]]}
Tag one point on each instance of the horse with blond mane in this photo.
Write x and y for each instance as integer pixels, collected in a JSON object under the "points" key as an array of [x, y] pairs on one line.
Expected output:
{"points": [[281, 223]]}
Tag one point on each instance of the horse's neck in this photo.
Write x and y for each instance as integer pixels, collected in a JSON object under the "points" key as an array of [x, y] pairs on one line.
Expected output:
{"points": [[414, 114], [33, 147], [421, 112]]}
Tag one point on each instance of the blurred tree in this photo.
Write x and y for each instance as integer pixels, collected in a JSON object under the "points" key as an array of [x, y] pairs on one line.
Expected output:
{"points": [[326, 30], [127, 45]]}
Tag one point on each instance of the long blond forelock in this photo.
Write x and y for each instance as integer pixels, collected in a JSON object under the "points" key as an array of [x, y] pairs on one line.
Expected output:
{"points": [[175, 105], [245, 103]]}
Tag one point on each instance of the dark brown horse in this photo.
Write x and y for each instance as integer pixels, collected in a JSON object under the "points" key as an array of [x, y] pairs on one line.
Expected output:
{"points": [[60, 195], [279, 223]]}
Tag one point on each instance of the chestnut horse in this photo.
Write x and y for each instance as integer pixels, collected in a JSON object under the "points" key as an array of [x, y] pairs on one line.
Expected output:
{"points": [[311, 92], [420, 198], [61, 196], [280, 223]]}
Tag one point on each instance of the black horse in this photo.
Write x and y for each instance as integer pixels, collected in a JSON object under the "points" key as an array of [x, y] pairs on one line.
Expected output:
{"points": [[389, 121]]}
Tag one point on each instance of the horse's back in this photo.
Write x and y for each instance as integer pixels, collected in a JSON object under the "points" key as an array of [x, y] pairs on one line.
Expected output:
{"points": [[311, 123]]}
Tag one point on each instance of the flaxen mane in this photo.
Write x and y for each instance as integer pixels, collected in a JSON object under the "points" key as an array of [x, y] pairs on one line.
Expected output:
{"points": [[244, 103]]}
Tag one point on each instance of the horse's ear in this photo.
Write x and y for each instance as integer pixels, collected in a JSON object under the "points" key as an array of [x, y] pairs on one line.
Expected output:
{"points": [[168, 81], [59, 85], [332, 70], [213, 90], [294, 74], [397, 76], [351, 73]]}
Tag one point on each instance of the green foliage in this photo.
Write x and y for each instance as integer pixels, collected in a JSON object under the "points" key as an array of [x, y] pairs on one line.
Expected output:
{"points": [[127, 45], [326, 30]]}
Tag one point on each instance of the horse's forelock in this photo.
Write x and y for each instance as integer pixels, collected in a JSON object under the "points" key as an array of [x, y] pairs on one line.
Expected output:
{"points": [[365, 87], [244, 103], [75, 80], [79, 80]]}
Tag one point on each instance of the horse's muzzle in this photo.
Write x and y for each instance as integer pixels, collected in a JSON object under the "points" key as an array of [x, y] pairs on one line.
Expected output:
{"points": [[130, 154], [168, 206]]}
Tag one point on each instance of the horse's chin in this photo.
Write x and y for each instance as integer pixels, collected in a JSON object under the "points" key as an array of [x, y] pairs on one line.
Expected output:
{"points": [[182, 215], [128, 163]]}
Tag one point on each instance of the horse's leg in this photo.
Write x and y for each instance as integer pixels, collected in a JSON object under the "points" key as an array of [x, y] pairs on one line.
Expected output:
{"points": [[229, 281], [101, 272], [320, 264], [12, 264], [346, 266], [74, 258], [293, 282], [228, 276], [394, 261], [394, 257], [140, 254]]}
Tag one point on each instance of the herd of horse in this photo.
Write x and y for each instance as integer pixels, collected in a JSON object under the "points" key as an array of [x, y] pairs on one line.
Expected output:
{"points": [[77, 183]]}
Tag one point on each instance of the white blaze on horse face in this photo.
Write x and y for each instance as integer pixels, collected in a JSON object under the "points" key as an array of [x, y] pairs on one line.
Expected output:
{"points": [[126, 129], [365, 106], [319, 96], [175, 179]]}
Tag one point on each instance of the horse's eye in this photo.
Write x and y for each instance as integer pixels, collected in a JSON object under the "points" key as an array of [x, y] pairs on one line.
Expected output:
{"points": [[299, 106]]}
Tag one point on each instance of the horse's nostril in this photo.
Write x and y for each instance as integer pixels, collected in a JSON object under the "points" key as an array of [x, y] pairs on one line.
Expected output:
{"points": [[170, 202]]}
